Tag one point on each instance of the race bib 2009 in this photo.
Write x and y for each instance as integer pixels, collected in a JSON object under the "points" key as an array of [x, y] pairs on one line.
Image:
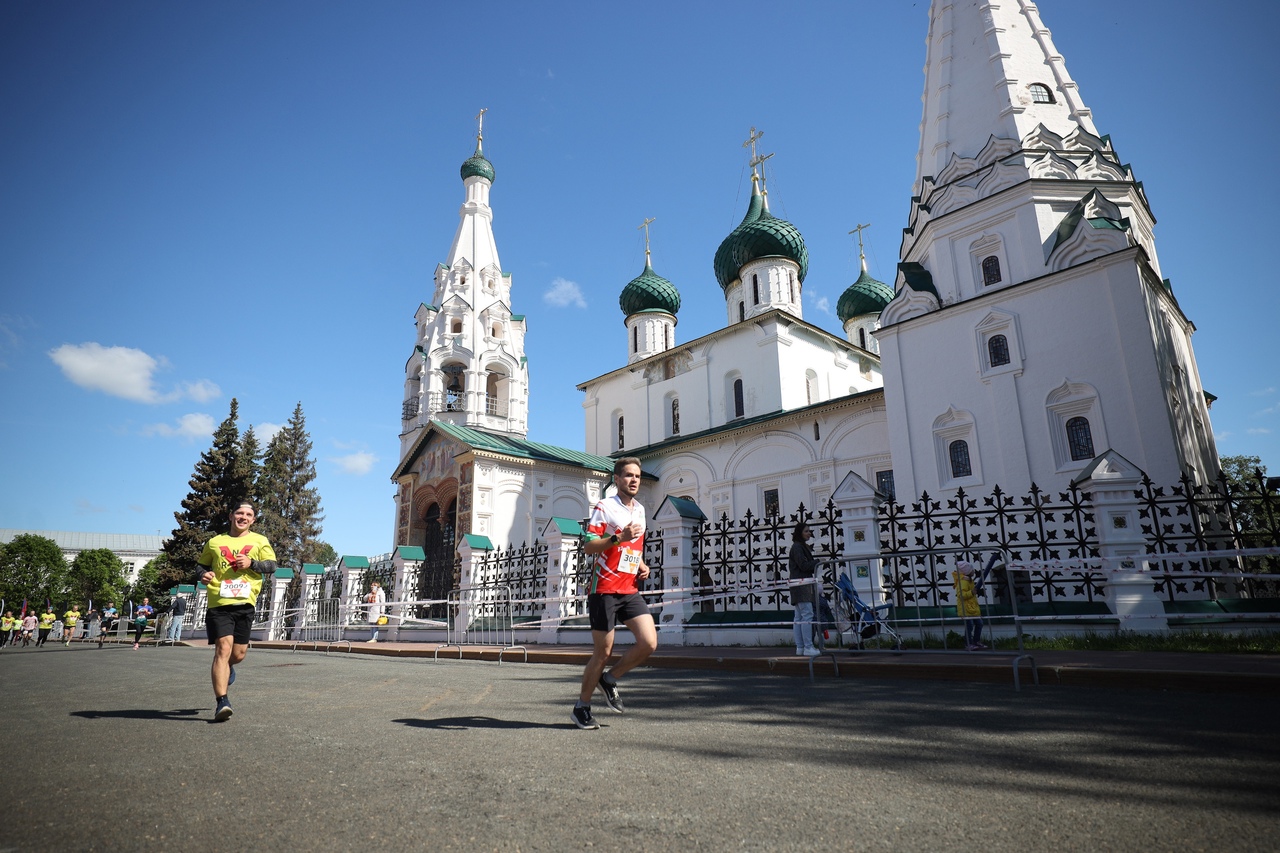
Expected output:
{"points": [[237, 588]]}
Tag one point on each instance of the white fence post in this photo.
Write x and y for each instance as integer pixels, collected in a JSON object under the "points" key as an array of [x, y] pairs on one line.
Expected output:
{"points": [[408, 560], [677, 519], [1112, 479], [859, 505], [562, 536]]}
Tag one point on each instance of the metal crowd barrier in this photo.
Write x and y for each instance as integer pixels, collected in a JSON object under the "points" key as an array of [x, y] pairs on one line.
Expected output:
{"points": [[481, 616], [318, 621]]}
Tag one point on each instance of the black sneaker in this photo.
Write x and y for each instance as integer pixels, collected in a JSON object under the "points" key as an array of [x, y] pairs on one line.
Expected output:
{"points": [[609, 687], [231, 679], [581, 717], [223, 712]]}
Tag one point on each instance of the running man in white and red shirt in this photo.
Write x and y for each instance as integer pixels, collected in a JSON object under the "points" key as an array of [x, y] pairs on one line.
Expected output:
{"points": [[617, 522]]}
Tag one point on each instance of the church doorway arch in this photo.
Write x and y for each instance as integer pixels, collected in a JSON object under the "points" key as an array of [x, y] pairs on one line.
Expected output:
{"points": [[439, 572]]}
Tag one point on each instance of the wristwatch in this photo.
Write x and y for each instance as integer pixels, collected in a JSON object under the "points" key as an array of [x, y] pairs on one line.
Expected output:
{"points": [[613, 538]]}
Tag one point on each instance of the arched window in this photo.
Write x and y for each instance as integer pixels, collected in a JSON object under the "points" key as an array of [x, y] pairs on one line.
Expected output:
{"points": [[991, 270], [742, 312], [621, 440], [810, 387], [791, 280], [675, 415], [455, 327], [755, 289], [635, 339], [739, 409], [960, 465], [817, 434], [1079, 439], [998, 350], [666, 333], [497, 331], [1040, 94], [862, 338]]}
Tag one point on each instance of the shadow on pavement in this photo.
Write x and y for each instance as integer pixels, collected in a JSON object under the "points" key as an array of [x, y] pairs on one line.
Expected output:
{"points": [[186, 715], [477, 723]]}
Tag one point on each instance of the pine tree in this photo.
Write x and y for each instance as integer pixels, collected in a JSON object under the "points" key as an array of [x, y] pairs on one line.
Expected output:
{"points": [[219, 480], [291, 514], [249, 465]]}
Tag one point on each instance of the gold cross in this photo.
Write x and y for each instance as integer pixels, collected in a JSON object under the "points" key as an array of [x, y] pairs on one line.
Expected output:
{"points": [[858, 231], [645, 226], [480, 118]]}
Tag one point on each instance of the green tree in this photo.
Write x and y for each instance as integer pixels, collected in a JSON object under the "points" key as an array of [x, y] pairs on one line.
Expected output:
{"points": [[149, 583], [95, 575], [1255, 507], [220, 479], [32, 567], [249, 465], [291, 516], [324, 554]]}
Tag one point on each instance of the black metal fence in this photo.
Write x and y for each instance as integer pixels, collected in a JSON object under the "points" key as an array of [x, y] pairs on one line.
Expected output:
{"points": [[734, 559], [1024, 529]]}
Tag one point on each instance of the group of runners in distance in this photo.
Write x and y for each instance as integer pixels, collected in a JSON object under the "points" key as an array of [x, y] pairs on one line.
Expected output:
{"points": [[234, 565], [28, 627]]}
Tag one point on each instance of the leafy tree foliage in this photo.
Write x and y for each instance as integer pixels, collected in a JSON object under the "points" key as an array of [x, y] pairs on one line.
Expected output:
{"points": [[324, 554], [96, 575], [32, 567], [1255, 506], [149, 583], [290, 514], [221, 478]]}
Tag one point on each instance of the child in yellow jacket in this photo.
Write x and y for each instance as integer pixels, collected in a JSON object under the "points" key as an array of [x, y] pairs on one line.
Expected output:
{"points": [[967, 607]]}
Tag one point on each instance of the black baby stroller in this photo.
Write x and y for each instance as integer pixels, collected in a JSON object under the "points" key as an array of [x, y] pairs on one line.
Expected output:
{"points": [[858, 621]]}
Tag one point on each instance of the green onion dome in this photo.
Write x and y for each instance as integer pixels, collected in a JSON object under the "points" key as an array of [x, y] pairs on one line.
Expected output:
{"points": [[864, 296], [649, 292], [759, 235], [476, 166]]}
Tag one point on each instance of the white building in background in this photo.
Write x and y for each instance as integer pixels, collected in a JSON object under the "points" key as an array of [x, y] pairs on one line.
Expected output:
{"points": [[1029, 329], [135, 550], [1032, 327]]}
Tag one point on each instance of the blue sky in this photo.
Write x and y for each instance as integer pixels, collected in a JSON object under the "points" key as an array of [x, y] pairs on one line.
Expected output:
{"points": [[208, 200]]}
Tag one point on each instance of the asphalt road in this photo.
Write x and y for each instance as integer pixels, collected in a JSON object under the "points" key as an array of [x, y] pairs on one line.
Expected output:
{"points": [[113, 749]]}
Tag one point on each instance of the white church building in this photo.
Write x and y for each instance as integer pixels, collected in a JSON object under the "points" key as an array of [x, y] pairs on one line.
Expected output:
{"points": [[1028, 330]]}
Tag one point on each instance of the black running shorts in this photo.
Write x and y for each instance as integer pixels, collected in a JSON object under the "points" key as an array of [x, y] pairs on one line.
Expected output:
{"points": [[606, 610], [231, 620]]}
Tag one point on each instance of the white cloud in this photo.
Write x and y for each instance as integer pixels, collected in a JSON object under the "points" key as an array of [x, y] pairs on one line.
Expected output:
{"points": [[563, 294], [202, 390], [84, 507], [1263, 392], [1258, 431], [266, 431], [190, 427], [359, 463], [124, 372], [821, 303]]}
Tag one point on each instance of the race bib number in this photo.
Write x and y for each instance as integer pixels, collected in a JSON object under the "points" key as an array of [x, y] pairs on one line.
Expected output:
{"points": [[238, 588], [630, 562]]}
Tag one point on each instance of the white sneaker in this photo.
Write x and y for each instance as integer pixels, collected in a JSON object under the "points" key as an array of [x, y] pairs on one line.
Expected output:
{"points": [[810, 651]]}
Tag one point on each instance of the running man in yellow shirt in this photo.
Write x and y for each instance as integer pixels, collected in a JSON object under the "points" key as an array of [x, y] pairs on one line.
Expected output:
{"points": [[232, 568]]}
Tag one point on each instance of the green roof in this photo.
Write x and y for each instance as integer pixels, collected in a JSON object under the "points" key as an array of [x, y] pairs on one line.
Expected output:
{"points": [[312, 569], [475, 540], [282, 574], [918, 278], [685, 508], [739, 423], [510, 445], [356, 562], [476, 166], [567, 526], [411, 552], [649, 292], [759, 235], [864, 296]]}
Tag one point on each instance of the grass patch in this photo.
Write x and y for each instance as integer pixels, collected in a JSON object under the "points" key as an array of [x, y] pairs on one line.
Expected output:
{"points": [[1244, 643]]}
